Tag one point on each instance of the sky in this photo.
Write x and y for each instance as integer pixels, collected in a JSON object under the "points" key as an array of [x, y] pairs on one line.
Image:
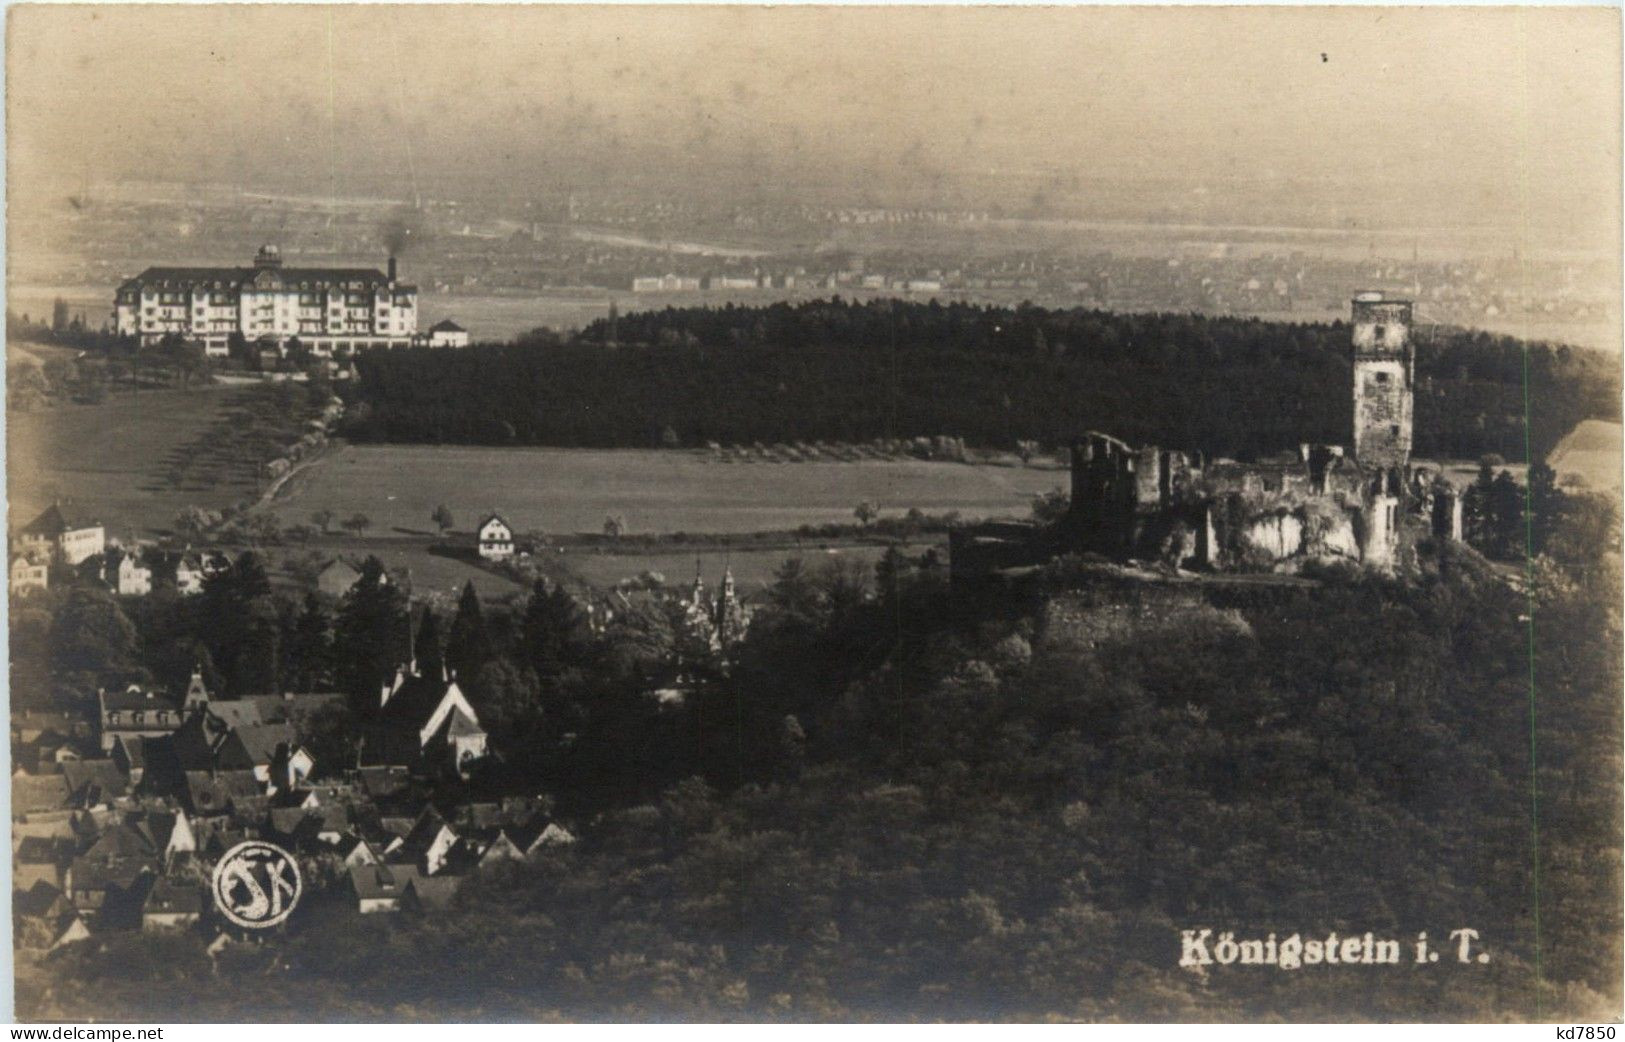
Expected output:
{"points": [[1506, 115]]}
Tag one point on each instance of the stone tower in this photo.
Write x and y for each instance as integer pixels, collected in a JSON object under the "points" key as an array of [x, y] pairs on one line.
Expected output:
{"points": [[1384, 373]]}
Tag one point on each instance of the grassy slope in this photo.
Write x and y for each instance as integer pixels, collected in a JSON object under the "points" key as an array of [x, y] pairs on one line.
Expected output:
{"points": [[109, 459]]}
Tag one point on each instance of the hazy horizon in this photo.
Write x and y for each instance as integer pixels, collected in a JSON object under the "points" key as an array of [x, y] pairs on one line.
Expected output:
{"points": [[1490, 117]]}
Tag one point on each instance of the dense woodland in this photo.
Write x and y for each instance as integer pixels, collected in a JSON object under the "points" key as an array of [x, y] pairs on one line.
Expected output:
{"points": [[903, 802], [846, 371]]}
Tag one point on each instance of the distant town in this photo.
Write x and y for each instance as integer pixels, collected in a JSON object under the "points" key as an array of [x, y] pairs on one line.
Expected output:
{"points": [[478, 262]]}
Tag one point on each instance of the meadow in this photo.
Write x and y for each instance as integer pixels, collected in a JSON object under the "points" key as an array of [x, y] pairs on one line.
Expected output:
{"points": [[567, 491], [112, 460]]}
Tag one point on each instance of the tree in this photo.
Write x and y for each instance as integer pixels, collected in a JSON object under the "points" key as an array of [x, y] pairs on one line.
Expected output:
{"points": [[193, 523], [615, 526], [321, 519], [238, 623], [442, 517], [845, 585], [866, 513], [358, 523], [890, 571], [468, 645], [506, 696], [186, 357], [554, 630], [329, 732], [310, 651], [91, 635], [1546, 503], [793, 592], [369, 634]]}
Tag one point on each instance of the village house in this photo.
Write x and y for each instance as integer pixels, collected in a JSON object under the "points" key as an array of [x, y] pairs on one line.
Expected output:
{"points": [[126, 574], [135, 712], [380, 888], [45, 919], [336, 578], [495, 539], [36, 793], [27, 575], [59, 535], [172, 906], [188, 575], [447, 333], [41, 859], [93, 783]]}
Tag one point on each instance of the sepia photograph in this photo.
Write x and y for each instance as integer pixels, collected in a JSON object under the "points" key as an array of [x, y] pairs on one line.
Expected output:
{"points": [[704, 513]]}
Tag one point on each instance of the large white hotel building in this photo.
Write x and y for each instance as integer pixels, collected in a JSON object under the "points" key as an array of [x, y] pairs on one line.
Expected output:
{"points": [[327, 309]]}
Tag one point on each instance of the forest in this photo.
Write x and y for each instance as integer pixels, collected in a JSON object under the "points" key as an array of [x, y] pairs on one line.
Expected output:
{"points": [[847, 371], [900, 802]]}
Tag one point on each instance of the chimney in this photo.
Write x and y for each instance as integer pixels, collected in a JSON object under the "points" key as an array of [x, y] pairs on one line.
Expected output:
{"points": [[391, 267]]}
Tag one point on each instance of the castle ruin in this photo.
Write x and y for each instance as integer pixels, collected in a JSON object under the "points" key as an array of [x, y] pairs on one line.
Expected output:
{"points": [[1317, 503]]}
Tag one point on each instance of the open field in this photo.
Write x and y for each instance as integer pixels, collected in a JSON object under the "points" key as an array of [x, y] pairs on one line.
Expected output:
{"points": [[564, 491], [1591, 454], [109, 460]]}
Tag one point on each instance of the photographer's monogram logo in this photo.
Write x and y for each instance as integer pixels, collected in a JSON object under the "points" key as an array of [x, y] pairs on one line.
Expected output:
{"points": [[256, 885]]}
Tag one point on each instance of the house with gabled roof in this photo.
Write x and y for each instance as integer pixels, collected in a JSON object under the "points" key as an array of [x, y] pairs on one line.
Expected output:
{"points": [[28, 575], [540, 835], [356, 851], [168, 833], [447, 333], [498, 849], [60, 534], [44, 919], [431, 893], [430, 845], [271, 751], [337, 577], [93, 783], [495, 538], [172, 905], [33, 793], [380, 887], [189, 574], [219, 794], [125, 573], [423, 721], [110, 889], [41, 859]]}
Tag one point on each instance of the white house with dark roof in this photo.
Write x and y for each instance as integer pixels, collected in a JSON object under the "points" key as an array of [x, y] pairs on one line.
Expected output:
{"points": [[495, 538], [28, 575], [135, 712], [447, 333], [129, 577]]}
